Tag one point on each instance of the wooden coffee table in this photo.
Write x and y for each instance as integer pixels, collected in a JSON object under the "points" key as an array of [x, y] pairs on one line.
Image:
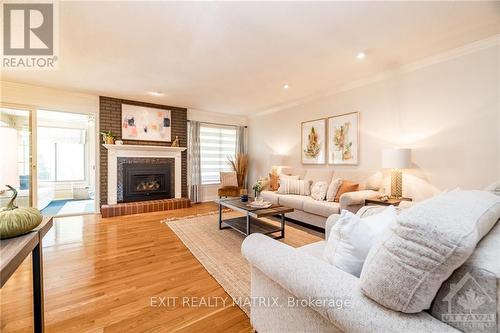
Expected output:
{"points": [[252, 221]]}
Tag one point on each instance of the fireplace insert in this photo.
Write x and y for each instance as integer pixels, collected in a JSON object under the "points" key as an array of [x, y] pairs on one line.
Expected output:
{"points": [[144, 181]]}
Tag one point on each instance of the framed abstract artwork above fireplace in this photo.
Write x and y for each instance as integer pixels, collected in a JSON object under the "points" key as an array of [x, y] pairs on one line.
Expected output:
{"points": [[145, 123]]}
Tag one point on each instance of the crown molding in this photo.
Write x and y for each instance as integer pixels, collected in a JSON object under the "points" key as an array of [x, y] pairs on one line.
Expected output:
{"points": [[406, 68]]}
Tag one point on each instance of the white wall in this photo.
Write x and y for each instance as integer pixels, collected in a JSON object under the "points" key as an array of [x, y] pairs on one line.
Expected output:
{"points": [[209, 192], [48, 98], [447, 112], [216, 117]]}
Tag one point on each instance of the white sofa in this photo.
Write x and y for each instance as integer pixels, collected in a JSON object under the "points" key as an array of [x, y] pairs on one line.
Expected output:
{"points": [[282, 273], [314, 212]]}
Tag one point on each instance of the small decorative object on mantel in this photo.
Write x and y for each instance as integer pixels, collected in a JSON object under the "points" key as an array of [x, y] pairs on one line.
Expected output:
{"points": [[119, 142], [175, 143], [15, 221], [108, 137]]}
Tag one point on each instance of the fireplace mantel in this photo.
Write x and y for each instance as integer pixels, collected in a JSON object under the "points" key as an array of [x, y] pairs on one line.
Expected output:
{"points": [[115, 151], [144, 148]]}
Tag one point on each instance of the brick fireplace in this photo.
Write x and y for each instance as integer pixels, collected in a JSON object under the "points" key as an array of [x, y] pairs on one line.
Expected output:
{"points": [[159, 181], [110, 120]]}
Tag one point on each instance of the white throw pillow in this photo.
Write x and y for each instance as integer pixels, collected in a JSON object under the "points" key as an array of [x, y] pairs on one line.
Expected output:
{"points": [[351, 238], [494, 188], [333, 188], [288, 184], [318, 190], [228, 179], [408, 265]]}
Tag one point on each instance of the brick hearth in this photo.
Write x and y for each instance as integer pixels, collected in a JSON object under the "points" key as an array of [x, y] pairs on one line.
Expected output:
{"points": [[130, 208]]}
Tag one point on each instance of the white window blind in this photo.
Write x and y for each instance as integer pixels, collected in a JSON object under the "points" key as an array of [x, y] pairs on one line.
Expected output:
{"points": [[217, 143]]}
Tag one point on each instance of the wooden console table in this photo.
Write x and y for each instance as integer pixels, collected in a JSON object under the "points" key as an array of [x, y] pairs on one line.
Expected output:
{"points": [[13, 251]]}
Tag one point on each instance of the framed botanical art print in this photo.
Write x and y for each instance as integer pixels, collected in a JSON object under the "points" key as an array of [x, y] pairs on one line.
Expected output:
{"points": [[313, 143], [343, 139]]}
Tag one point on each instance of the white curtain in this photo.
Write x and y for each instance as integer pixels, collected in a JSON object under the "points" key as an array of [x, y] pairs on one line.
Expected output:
{"points": [[241, 140], [194, 167], [242, 146]]}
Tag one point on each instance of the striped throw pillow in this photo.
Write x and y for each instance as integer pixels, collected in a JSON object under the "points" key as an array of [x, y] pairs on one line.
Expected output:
{"points": [[294, 185]]}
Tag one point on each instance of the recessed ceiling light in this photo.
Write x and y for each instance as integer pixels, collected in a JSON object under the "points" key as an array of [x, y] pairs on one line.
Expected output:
{"points": [[361, 55], [156, 93], [286, 86]]}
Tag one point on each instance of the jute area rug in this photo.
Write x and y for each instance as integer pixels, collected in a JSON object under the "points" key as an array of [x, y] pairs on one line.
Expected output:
{"points": [[219, 251]]}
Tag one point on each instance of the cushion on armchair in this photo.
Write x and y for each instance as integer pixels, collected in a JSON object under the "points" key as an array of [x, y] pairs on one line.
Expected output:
{"points": [[405, 269], [228, 179]]}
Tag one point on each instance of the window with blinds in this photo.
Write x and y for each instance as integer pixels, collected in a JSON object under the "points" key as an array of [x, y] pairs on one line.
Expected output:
{"points": [[217, 143]]}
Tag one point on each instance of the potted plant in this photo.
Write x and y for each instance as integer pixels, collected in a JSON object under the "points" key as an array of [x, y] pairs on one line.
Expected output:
{"points": [[108, 137], [257, 188]]}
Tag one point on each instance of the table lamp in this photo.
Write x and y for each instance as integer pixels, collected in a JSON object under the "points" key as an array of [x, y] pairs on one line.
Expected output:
{"points": [[396, 159], [277, 163]]}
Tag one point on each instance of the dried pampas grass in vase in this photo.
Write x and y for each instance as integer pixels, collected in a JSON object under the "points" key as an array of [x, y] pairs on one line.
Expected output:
{"points": [[239, 163]]}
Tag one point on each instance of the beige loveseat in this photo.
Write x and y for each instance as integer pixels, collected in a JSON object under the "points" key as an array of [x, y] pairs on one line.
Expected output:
{"points": [[314, 212]]}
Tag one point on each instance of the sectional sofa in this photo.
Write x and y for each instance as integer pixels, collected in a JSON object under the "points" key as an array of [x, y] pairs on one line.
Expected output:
{"points": [[281, 272], [314, 212]]}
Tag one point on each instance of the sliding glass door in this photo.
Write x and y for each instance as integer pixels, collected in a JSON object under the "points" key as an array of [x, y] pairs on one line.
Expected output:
{"points": [[66, 163], [16, 159], [49, 158]]}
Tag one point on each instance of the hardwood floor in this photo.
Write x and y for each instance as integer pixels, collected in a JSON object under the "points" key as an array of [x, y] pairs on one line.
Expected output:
{"points": [[112, 275]]}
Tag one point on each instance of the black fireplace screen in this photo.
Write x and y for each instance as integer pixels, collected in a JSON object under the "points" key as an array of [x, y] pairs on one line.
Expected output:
{"points": [[147, 182]]}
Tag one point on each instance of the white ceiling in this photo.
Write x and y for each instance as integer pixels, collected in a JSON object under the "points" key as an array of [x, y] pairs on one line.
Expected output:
{"points": [[235, 57]]}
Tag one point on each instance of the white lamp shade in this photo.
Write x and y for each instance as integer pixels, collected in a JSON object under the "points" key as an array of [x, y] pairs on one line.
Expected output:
{"points": [[8, 167], [398, 158], [277, 160]]}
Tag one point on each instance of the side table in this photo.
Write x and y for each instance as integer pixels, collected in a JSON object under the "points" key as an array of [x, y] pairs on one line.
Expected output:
{"points": [[389, 202]]}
